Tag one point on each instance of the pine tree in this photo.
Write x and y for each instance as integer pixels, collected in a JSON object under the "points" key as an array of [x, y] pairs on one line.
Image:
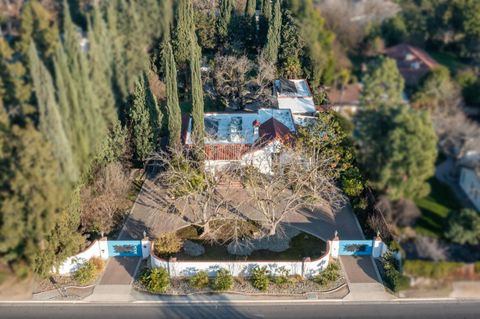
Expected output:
{"points": [[251, 8], [50, 121], [273, 38], [197, 92], [223, 21], [184, 27], [383, 85], [173, 106], [140, 120]]}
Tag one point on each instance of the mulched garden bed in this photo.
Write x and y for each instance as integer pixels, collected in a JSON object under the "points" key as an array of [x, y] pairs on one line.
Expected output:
{"points": [[181, 286]]}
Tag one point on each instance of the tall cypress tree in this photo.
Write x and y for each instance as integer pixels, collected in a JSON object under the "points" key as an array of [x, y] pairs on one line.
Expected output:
{"points": [[251, 8], [224, 18], [197, 92], [140, 121], [16, 90], [267, 9], [50, 121], [184, 27], [273, 38], [173, 106], [264, 23]]}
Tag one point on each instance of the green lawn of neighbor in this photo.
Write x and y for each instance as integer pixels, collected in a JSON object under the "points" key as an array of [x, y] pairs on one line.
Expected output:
{"points": [[449, 60], [435, 208]]}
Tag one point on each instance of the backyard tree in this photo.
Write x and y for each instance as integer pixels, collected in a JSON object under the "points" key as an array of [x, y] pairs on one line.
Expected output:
{"points": [[234, 83], [464, 227], [383, 85], [437, 91], [224, 17], [273, 37], [457, 134]]}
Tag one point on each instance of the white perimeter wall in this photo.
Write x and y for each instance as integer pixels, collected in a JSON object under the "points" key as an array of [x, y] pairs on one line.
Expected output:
{"points": [[307, 268], [97, 249]]}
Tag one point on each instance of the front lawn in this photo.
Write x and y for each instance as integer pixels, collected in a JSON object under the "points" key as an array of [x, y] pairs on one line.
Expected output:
{"points": [[435, 208]]}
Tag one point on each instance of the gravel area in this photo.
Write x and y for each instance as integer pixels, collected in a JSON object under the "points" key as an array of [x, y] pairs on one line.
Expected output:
{"points": [[193, 249]]}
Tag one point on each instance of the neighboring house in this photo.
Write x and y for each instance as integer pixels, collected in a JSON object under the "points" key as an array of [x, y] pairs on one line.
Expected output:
{"points": [[346, 99], [296, 96], [244, 138], [413, 63], [470, 183]]}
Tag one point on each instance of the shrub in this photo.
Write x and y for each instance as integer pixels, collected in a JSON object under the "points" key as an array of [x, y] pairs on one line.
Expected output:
{"points": [[477, 267], [86, 273], [464, 227], [282, 277], [330, 274], [199, 280], [259, 278], [98, 263], [430, 269], [352, 182], [155, 280], [168, 244], [223, 281], [393, 278]]}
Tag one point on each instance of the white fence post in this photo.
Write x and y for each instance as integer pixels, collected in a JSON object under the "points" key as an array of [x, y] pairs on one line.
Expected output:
{"points": [[335, 246], [145, 247], [103, 245]]}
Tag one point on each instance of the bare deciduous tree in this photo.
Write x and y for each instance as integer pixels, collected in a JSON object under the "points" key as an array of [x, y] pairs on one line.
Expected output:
{"points": [[105, 199], [200, 198], [234, 83], [457, 134], [296, 182]]}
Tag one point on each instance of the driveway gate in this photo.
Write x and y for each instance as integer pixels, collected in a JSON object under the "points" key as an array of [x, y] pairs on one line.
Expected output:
{"points": [[124, 248], [355, 248]]}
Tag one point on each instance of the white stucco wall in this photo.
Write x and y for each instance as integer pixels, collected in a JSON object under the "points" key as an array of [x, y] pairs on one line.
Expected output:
{"points": [[73, 263], [261, 159], [185, 268], [470, 183]]}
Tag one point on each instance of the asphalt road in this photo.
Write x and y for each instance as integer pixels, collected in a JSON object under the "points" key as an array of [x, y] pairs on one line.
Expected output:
{"points": [[433, 310]]}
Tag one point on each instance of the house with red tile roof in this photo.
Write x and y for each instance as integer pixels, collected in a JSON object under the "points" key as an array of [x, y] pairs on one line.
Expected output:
{"points": [[345, 99], [246, 138], [412, 62]]}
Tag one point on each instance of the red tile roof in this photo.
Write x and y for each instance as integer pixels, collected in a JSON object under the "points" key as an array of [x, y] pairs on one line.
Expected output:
{"points": [[349, 95], [274, 129], [415, 67], [226, 152]]}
